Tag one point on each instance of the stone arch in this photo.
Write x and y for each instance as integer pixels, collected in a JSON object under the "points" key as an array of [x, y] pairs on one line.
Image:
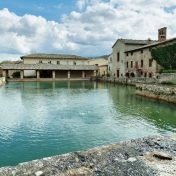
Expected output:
{"points": [[132, 74]]}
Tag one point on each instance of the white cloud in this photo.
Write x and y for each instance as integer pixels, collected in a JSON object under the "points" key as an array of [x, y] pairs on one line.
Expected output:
{"points": [[91, 30], [82, 3]]}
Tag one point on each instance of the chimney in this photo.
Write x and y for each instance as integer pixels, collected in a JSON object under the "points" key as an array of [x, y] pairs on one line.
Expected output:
{"points": [[162, 34]]}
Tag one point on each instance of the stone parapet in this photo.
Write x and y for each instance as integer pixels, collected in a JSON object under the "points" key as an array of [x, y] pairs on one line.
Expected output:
{"points": [[145, 157], [161, 92], [166, 77], [159, 78], [130, 81]]}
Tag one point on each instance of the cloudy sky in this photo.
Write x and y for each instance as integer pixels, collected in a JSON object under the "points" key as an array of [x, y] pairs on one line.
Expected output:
{"points": [[83, 27]]}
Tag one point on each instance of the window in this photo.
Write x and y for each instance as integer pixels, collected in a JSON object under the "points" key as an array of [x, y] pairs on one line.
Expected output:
{"points": [[142, 63], [136, 64], [150, 75], [131, 53], [141, 51], [127, 64], [74, 63], [40, 62], [118, 73], [131, 64], [150, 62], [58, 62], [49, 62], [126, 54], [109, 69], [118, 57]]}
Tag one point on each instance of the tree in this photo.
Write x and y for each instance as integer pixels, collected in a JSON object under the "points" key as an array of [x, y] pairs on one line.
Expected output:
{"points": [[165, 56]]}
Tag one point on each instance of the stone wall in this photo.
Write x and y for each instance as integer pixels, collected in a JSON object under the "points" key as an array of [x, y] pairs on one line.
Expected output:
{"points": [[131, 81], [146, 157], [159, 78], [2, 81], [166, 77], [161, 92], [55, 61]]}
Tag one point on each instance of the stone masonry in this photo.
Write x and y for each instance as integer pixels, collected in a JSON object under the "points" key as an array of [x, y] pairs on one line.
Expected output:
{"points": [[141, 157]]}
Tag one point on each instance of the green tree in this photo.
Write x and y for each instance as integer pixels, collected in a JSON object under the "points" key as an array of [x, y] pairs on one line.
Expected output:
{"points": [[165, 56]]}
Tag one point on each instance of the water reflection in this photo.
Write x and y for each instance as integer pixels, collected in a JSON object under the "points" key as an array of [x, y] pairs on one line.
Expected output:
{"points": [[160, 114], [40, 119]]}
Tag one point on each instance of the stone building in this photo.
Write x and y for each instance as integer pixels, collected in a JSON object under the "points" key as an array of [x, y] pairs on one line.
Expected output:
{"points": [[102, 64], [110, 66], [139, 62], [52, 67], [118, 54]]}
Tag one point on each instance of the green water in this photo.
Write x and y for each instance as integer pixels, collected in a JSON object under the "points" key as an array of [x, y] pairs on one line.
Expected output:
{"points": [[45, 119]]}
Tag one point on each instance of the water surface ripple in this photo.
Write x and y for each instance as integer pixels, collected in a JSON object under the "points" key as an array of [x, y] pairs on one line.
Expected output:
{"points": [[45, 119]]}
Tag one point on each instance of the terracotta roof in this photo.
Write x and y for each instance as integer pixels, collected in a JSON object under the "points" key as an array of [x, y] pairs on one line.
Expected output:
{"points": [[152, 45], [134, 42], [47, 67], [53, 56]]}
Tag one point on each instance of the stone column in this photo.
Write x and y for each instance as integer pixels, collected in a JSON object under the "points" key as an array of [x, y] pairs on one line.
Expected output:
{"points": [[95, 73], [83, 74], [4, 73], [38, 74], [54, 74], [21, 74], [68, 74]]}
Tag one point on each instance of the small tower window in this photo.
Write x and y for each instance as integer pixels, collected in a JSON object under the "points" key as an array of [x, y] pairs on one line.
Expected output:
{"points": [[58, 62]]}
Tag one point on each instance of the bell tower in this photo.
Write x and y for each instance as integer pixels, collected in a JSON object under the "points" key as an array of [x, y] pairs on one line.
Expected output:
{"points": [[162, 34]]}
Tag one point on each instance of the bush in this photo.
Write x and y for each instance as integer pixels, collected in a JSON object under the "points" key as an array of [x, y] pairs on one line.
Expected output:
{"points": [[165, 56]]}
